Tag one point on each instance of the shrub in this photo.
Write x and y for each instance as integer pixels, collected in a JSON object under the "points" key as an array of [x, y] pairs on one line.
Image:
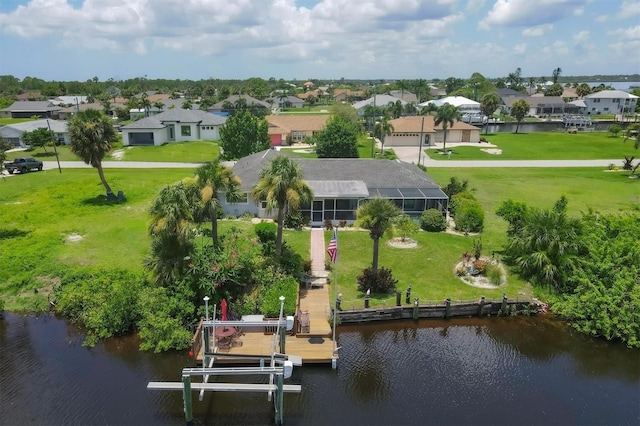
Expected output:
{"points": [[290, 261], [456, 186], [266, 232], [461, 270], [477, 248], [328, 225], [381, 281], [459, 200], [480, 265], [494, 274], [294, 220], [342, 224], [274, 285], [306, 266], [470, 218], [433, 220], [404, 226]]}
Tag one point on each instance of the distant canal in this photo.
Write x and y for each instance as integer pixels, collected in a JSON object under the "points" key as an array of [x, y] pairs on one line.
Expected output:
{"points": [[500, 371]]}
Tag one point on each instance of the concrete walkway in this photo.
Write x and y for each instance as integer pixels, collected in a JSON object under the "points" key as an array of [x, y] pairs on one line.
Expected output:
{"points": [[52, 165], [317, 252]]}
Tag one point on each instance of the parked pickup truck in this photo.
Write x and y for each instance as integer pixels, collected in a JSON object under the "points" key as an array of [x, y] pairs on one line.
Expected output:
{"points": [[23, 165]]}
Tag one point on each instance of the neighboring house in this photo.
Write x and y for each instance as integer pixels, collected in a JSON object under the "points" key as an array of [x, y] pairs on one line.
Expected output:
{"points": [[288, 129], [67, 112], [251, 103], [28, 109], [610, 102], [340, 185], [436, 92], [29, 96], [405, 96], [465, 105], [377, 100], [308, 94], [550, 105], [507, 101], [69, 100], [580, 104], [570, 94], [13, 132], [407, 132], [509, 92], [344, 95], [174, 125], [286, 102]]}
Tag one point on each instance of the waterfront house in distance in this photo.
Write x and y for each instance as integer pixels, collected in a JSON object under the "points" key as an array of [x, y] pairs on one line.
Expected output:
{"points": [[288, 129], [610, 102], [407, 131], [12, 133], [28, 109], [340, 185], [173, 125], [233, 102]]}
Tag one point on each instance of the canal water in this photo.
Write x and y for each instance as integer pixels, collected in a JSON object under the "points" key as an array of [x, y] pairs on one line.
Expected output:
{"points": [[496, 371]]}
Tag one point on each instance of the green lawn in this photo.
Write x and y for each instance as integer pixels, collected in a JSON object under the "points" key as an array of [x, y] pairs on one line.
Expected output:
{"points": [[544, 146], [181, 152], [5, 121], [364, 149]]}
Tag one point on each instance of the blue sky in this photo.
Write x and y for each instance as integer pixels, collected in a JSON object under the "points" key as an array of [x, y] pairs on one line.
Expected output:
{"points": [[365, 39]]}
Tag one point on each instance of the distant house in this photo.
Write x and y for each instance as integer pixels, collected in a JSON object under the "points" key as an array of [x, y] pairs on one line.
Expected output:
{"points": [[404, 95], [28, 109], [340, 185], [610, 102], [69, 100], [465, 105], [67, 112], [173, 125], [344, 95], [13, 132], [288, 129], [436, 92], [377, 100], [249, 101], [407, 132], [285, 102], [30, 96]]}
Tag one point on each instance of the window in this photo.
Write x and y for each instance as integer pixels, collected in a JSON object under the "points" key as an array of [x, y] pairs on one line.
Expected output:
{"points": [[185, 130], [243, 199]]}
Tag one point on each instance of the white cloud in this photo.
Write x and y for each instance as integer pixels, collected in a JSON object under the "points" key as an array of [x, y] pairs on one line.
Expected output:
{"points": [[538, 31], [628, 9], [527, 13], [520, 49], [581, 38], [631, 33], [602, 18], [556, 48]]}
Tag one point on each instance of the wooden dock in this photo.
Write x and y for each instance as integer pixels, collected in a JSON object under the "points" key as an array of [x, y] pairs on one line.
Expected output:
{"points": [[314, 346]]}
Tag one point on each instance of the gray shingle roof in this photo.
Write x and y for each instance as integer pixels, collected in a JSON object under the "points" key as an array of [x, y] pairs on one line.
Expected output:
{"points": [[377, 175], [203, 118], [26, 106]]}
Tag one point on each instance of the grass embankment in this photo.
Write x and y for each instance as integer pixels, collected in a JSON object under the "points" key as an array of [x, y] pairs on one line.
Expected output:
{"points": [[41, 210], [6, 121], [543, 146]]}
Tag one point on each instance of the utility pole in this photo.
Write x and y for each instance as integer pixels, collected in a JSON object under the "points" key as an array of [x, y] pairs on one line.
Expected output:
{"points": [[421, 138], [55, 150]]}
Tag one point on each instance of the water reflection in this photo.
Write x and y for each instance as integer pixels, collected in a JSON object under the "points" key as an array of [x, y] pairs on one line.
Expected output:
{"points": [[476, 371]]}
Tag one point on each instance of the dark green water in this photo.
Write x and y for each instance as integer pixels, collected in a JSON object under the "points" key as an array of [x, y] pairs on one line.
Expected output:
{"points": [[495, 371]]}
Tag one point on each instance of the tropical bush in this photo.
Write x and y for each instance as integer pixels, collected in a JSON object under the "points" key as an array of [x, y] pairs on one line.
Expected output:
{"points": [[266, 232], [380, 281], [404, 226], [470, 217], [294, 220], [275, 284], [433, 220]]}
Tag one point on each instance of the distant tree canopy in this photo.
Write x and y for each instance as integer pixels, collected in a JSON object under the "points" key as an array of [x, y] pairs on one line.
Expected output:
{"points": [[243, 134], [339, 139]]}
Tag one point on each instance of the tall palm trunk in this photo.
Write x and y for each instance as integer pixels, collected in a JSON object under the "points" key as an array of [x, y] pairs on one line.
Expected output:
{"points": [[279, 231], [374, 264], [444, 142], [103, 180]]}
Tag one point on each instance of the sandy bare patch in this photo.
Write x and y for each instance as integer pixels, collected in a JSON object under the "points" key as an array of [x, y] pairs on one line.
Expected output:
{"points": [[118, 154], [406, 244], [73, 238], [481, 281], [492, 151]]}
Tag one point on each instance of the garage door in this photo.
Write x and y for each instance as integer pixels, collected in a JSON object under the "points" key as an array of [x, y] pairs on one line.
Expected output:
{"points": [[145, 138]]}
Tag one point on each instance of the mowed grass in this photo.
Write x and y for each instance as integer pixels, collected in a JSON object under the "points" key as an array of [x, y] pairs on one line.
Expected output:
{"points": [[543, 146], [5, 121], [181, 152], [364, 149], [40, 211]]}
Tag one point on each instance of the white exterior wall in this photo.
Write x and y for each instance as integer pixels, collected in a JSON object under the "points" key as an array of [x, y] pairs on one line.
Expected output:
{"points": [[609, 105], [237, 209], [210, 133], [159, 135], [11, 133]]}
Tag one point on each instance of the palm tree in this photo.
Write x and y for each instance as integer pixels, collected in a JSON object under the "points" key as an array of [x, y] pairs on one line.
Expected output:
{"points": [[281, 186], [489, 104], [144, 103], [428, 109], [212, 178], [383, 129], [556, 75], [395, 108], [158, 105], [519, 110], [376, 216], [447, 115], [170, 230], [92, 135]]}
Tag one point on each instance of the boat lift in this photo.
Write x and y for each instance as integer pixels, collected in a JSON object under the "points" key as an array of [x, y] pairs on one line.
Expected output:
{"points": [[280, 367]]}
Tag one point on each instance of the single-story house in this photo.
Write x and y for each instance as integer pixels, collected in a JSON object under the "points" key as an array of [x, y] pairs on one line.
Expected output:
{"points": [[436, 92], [285, 102], [13, 132], [404, 95], [377, 101], [28, 109], [407, 131], [344, 95], [173, 125], [465, 105], [69, 100], [249, 101], [610, 102], [67, 112], [340, 185], [288, 129]]}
